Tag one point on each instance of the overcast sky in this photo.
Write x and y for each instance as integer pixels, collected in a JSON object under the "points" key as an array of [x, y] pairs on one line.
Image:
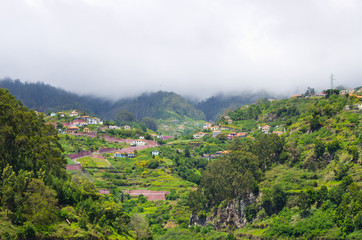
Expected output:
{"points": [[119, 48]]}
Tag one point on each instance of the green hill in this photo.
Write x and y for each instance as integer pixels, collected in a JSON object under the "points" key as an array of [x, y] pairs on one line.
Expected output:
{"points": [[43, 97], [304, 184]]}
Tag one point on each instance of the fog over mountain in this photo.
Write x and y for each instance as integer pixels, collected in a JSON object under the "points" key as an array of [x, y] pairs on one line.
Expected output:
{"points": [[198, 48]]}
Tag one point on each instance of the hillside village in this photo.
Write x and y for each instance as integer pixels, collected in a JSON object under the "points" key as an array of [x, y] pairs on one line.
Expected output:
{"points": [[305, 135]]}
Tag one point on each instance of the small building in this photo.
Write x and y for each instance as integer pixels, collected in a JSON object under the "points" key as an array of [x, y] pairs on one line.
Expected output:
{"points": [[139, 142], [53, 114], [126, 127], [359, 106], [124, 155], [86, 130], [265, 129], [231, 135], [74, 113], [72, 129], [242, 135], [155, 153], [199, 135], [113, 127], [94, 121], [230, 121], [221, 153], [214, 128], [117, 155], [131, 154], [207, 125], [347, 91], [79, 122], [279, 133]]}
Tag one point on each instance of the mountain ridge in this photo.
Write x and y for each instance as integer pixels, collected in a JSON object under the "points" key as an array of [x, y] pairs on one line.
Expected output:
{"points": [[44, 97]]}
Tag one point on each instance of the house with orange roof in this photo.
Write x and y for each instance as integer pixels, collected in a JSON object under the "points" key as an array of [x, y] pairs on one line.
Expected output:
{"points": [[265, 128], [86, 130], [207, 125], [126, 127], [214, 128], [277, 132], [242, 135], [72, 129], [199, 135], [231, 135], [74, 113]]}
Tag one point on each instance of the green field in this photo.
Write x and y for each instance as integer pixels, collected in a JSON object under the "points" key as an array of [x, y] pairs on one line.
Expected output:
{"points": [[93, 162]]}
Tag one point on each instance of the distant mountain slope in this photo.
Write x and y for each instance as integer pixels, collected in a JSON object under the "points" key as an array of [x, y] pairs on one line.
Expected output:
{"points": [[158, 105], [215, 106], [44, 97]]}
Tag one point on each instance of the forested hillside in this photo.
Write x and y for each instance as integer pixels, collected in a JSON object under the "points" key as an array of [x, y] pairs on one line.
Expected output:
{"points": [[45, 98], [215, 106], [294, 173], [303, 184], [38, 199], [159, 105]]}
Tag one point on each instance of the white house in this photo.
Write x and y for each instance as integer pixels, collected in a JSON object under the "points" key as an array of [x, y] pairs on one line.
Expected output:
{"points": [[94, 120], [214, 128], [155, 153], [138, 142], [126, 127], [113, 127], [265, 129], [199, 135], [53, 114], [207, 125], [74, 113]]}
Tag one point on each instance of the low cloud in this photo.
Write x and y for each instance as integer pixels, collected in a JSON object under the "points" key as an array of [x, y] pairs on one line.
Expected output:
{"points": [[197, 48]]}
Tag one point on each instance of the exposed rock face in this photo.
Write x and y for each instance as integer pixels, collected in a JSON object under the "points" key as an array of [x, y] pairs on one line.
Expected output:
{"points": [[231, 214]]}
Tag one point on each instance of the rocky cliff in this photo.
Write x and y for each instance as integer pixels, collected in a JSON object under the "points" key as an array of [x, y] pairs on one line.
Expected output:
{"points": [[227, 214]]}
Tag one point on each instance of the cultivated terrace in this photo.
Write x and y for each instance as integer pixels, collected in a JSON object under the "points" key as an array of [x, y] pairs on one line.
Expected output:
{"points": [[288, 169]]}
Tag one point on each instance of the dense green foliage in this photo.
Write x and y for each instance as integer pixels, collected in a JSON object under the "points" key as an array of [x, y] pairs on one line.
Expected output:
{"points": [[37, 197], [321, 144], [303, 184]]}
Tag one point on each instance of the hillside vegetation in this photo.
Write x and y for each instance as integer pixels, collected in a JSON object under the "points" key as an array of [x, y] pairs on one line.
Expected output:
{"points": [[299, 177], [306, 182]]}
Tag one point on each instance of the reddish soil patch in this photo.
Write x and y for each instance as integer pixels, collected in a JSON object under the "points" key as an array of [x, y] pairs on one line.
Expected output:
{"points": [[104, 191], [74, 167], [150, 195]]}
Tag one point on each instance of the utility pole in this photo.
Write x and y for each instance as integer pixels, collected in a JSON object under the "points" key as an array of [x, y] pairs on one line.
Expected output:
{"points": [[332, 79]]}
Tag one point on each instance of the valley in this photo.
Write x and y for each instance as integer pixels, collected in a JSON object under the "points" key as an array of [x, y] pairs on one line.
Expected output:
{"points": [[288, 168]]}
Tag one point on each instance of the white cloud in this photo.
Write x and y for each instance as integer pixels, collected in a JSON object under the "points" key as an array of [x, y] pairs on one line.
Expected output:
{"points": [[121, 48]]}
